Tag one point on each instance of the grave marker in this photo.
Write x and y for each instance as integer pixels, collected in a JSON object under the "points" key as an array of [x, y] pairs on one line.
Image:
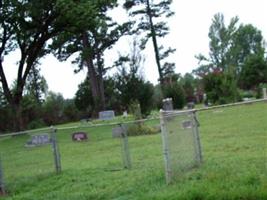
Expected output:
{"points": [[106, 115], [79, 136], [167, 104], [38, 140], [117, 132], [264, 90]]}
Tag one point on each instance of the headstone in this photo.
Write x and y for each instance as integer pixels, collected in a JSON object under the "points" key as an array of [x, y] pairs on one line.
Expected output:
{"points": [[190, 105], [117, 131], [264, 90], [167, 104], [38, 140], [79, 136], [106, 115], [125, 114], [186, 124]]}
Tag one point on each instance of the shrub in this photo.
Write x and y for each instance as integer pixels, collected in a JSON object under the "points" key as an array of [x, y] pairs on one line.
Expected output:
{"points": [[221, 88], [38, 123], [176, 92], [141, 129]]}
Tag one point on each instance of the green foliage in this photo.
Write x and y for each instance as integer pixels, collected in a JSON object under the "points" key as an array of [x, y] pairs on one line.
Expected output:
{"points": [[230, 47], [221, 88], [230, 143], [132, 87], [254, 72], [135, 110], [70, 111], [157, 97], [53, 108], [83, 98], [129, 82], [188, 83], [176, 92], [149, 16], [37, 123], [140, 129], [247, 94], [36, 85]]}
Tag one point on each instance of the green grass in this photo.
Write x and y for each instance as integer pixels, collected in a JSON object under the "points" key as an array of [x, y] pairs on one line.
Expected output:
{"points": [[234, 167]]}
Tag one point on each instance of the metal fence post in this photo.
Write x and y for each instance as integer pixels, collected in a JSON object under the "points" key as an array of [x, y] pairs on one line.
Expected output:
{"points": [[2, 184], [197, 138], [55, 149], [166, 151], [125, 148]]}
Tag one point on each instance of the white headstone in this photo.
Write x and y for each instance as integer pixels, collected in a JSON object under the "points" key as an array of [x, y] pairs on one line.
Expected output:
{"points": [[125, 114], [264, 90], [106, 115]]}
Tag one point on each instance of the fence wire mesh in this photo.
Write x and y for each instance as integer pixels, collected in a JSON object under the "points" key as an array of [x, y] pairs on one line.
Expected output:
{"points": [[23, 162], [181, 145], [233, 145]]}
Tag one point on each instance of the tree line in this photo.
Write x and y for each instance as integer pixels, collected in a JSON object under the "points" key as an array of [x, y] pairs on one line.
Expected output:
{"points": [[84, 29], [68, 27]]}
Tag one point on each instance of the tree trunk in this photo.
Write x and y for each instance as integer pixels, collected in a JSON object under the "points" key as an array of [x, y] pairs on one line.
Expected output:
{"points": [[18, 124], [101, 83], [155, 44], [92, 75]]}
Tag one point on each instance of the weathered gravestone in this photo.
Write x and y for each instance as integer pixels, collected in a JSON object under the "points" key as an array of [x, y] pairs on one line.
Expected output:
{"points": [[190, 105], [79, 136], [106, 115], [186, 124], [118, 131], [167, 104], [38, 140], [264, 91]]}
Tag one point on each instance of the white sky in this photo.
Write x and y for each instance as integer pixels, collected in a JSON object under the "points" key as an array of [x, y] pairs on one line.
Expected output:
{"points": [[188, 34]]}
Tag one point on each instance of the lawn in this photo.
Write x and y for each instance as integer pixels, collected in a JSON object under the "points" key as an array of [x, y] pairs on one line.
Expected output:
{"points": [[234, 167]]}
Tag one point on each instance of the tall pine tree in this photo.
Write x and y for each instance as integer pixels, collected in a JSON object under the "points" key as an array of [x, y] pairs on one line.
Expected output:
{"points": [[150, 14]]}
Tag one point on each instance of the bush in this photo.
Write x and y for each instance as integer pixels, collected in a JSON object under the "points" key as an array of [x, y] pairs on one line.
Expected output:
{"points": [[141, 129], [38, 123], [176, 92], [247, 94], [221, 88]]}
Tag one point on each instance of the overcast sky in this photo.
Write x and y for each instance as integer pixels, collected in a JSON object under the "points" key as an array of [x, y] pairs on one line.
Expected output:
{"points": [[188, 34]]}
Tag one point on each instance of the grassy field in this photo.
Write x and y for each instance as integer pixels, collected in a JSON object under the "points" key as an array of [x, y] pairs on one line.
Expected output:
{"points": [[234, 150]]}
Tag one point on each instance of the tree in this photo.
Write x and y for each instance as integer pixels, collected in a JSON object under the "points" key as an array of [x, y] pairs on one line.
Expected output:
{"points": [[129, 83], [221, 40], [188, 84], [236, 58], [221, 88], [247, 41], [230, 46], [53, 108], [149, 13], [27, 26], [83, 98], [131, 87], [253, 72], [90, 41], [36, 85]]}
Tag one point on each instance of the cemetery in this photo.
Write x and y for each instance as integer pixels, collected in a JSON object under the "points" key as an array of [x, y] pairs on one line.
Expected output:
{"points": [[230, 150], [130, 99]]}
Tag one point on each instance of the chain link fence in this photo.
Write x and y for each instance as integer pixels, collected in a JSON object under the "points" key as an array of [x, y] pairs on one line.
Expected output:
{"points": [[229, 139]]}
